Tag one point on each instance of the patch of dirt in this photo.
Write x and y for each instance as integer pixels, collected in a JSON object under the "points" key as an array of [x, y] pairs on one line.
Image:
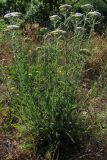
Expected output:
{"points": [[6, 56], [9, 149]]}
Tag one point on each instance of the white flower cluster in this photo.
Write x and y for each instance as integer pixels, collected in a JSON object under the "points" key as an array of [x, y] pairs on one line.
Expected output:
{"points": [[94, 14], [87, 7], [13, 27], [55, 18], [76, 15], [58, 32], [65, 8], [90, 8], [12, 14]]}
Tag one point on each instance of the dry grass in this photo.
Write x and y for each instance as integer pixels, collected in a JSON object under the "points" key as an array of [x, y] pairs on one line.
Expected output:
{"points": [[96, 60]]}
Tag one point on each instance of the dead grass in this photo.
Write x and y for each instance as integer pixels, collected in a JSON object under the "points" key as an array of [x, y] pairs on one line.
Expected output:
{"points": [[98, 56]]}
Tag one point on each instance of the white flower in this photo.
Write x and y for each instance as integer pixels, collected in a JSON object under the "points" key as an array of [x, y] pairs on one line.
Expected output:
{"points": [[76, 15], [58, 32], [55, 18], [12, 14], [65, 8], [87, 6], [13, 27], [94, 14]]}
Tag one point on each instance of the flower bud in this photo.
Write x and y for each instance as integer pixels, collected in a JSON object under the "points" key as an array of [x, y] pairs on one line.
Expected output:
{"points": [[65, 8], [55, 18]]}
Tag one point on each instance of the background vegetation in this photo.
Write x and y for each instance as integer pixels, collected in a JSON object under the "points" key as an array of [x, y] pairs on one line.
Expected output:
{"points": [[40, 10]]}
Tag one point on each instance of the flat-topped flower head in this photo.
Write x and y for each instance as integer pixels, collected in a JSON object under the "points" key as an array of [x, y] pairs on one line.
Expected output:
{"points": [[65, 8], [12, 14], [87, 7], [55, 18], [58, 32], [76, 15], [13, 27], [94, 14]]}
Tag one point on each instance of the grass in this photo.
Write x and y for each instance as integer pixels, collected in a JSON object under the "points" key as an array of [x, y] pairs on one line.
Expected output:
{"points": [[56, 93]]}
